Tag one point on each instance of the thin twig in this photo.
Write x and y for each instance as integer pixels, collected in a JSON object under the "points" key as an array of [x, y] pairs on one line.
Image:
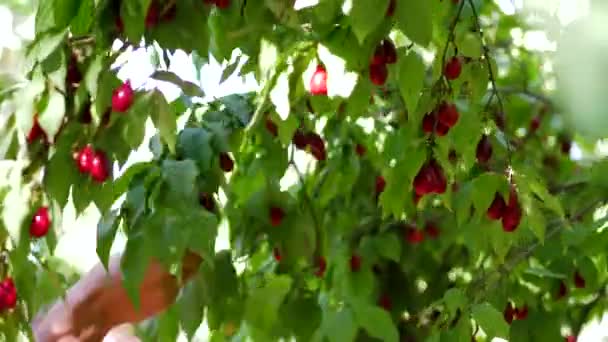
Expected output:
{"points": [[492, 77]]}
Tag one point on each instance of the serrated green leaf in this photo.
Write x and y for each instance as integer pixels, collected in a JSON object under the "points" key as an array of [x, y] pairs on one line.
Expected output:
{"points": [[164, 119], [415, 19], [377, 322], [106, 232], [134, 262], [389, 246], [189, 88], [263, 303], [340, 326], [490, 320], [365, 15], [411, 80], [191, 306]]}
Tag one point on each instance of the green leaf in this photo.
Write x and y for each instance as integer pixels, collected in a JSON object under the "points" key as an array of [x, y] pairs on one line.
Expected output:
{"points": [[134, 263], [388, 245], [340, 326], [168, 325], [85, 17], [490, 320], [279, 95], [415, 19], [164, 119], [180, 177], [187, 87], [55, 14], [106, 232], [483, 190], [377, 322], [263, 304], [411, 79], [133, 14], [51, 118], [365, 15], [469, 45], [454, 299], [59, 175], [191, 306]]}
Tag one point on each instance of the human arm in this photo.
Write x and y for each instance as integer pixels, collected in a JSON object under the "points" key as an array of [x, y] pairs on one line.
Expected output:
{"points": [[98, 302]]}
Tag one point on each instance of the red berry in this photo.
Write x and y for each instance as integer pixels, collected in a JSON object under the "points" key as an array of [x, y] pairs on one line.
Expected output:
{"points": [[318, 82], [390, 52], [390, 11], [565, 146], [534, 124], [562, 290], [424, 180], [277, 254], [152, 17], [441, 129], [84, 159], [484, 149], [452, 68], [380, 184], [414, 236], [428, 122], [385, 302], [276, 216], [223, 4], [272, 127], [206, 200], [36, 132], [378, 73], [497, 208], [512, 213], [73, 75], [579, 281], [509, 313], [41, 223], [439, 183], [300, 140], [360, 150], [570, 338], [120, 26], [355, 263], [521, 313], [8, 294], [122, 98], [100, 167], [317, 146], [226, 163], [321, 267], [432, 230], [447, 114]]}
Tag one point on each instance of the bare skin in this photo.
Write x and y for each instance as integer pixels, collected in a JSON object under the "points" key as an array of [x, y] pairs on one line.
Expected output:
{"points": [[98, 302]]}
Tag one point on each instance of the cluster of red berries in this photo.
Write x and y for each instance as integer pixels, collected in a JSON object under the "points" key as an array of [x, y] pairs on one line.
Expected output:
{"points": [[384, 54], [94, 163], [430, 179], [312, 142], [441, 119], [8, 294], [512, 313], [510, 213]]}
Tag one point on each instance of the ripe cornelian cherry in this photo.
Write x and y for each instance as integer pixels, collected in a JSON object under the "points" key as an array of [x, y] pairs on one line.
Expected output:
{"points": [[316, 145], [276, 215], [509, 313], [392, 5], [414, 236], [206, 200], [428, 122], [534, 124], [8, 294], [41, 222], [385, 302], [271, 127], [380, 184], [355, 263], [496, 209], [226, 163], [453, 68], [122, 97], [378, 73], [100, 167], [432, 230], [521, 313], [223, 4], [321, 267], [360, 150], [579, 281], [36, 132], [447, 114], [84, 159], [484, 149], [562, 290], [511, 216], [441, 129], [277, 254], [318, 82], [300, 140]]}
